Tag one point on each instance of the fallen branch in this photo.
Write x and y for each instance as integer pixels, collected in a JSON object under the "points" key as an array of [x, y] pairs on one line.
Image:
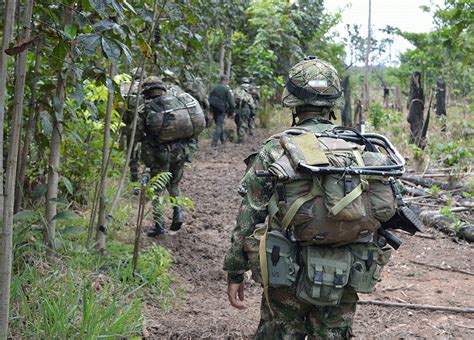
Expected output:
{"points": [[428, 183], [457, 270], [423, 235], [417, 306], [446, 224]]}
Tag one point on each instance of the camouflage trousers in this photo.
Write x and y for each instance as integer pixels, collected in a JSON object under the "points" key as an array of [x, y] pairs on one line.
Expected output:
{"points": [[167, 158], [242, 121], [135, 163], [295, 319]]}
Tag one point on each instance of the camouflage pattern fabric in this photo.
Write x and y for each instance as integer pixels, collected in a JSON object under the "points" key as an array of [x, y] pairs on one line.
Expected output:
{"points": [[167, 158], [245, 107], [293, 319], [315, 82]]}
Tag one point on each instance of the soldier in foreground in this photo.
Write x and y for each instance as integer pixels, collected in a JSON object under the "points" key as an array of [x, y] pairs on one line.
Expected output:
{"points": [[313, 241], [244, 109], [169, 139], [221, 103]]}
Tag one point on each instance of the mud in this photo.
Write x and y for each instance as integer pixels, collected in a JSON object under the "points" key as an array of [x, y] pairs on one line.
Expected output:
{"points": [[201, 309]]}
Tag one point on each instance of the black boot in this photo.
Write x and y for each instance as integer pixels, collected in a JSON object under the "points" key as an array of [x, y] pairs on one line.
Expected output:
{"points": [[178, 219], [157, 230]]}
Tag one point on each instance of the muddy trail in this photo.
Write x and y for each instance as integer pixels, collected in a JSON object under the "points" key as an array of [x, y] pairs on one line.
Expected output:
{"points": [[429, 271]]}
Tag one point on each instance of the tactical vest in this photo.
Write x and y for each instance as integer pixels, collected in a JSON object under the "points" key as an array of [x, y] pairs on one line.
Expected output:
{"points": [[173, 117]]}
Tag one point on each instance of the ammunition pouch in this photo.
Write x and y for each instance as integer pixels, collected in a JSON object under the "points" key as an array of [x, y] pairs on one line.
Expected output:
{"points": [[367, 265], [325, 274]]}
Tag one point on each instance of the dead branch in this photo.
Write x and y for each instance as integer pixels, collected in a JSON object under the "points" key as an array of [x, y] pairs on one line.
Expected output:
{"points": [[422, 235], [417, 306], [446, 224], [428, 183], [417, 191], [456, 270]]}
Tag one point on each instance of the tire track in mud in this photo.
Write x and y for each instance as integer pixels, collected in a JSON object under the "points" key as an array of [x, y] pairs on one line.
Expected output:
{"points": [[201, 309]]}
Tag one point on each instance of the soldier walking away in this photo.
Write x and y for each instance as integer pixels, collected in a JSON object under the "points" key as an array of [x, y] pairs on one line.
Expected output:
{"points": [[244, 109], [221, 103], [306, 237], [169, 126]]}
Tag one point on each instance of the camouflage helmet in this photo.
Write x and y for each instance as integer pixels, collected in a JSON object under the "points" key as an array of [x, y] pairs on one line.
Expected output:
{"points": [[153, 83], [313, 82], [244, 80], [170, 75]]}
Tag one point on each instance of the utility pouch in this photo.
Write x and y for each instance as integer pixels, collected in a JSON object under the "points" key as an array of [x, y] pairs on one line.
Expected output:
{"points": [[325, 273], [368, 263], [281, 260]]}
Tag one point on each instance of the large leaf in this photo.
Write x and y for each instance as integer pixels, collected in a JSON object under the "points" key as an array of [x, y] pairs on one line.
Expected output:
{"points": [[68, 185], [111, 49], [70, 30], [23, 215], [105, 25], [89, 42], [99, 6], [126, 50], [66, 215]]}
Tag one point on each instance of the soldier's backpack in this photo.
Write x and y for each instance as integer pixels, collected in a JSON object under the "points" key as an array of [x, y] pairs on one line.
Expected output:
{"points": [[332, 189], [172, 117]]}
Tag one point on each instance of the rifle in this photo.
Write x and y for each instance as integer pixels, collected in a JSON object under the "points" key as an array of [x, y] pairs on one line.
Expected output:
{"points": [[403, 219]]}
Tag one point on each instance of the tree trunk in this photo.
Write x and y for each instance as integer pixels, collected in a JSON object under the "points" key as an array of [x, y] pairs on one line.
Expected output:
{"points": [[416, 107], [367, 55], [29, 129], [222, 54], [15, 131], [386, 93], [55, 147], [229, 55], [398, 100], [440, 98], [102, 219], [358, 114], [347, 111]]}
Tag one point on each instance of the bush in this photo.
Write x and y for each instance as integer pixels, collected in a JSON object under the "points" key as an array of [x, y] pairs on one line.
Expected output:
{"points": [[379, 116]]}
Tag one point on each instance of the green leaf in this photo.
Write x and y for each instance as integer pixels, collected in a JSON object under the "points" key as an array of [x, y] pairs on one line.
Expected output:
{"points": [[70, 30], [66, 215], [111, 50], [68, 185], [99, 6], [24, 215], [126, 50], [73, 230], [59, 54], [89, 42]]}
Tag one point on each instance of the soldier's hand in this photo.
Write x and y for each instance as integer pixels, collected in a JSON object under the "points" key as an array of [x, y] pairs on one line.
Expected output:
{"points": [[235, 292]]}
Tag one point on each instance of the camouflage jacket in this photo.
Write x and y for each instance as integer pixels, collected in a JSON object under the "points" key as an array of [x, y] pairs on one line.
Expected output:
{"points": [[256, 193]]}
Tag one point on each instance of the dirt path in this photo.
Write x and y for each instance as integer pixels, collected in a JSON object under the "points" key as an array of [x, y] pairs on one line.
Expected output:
{"points": [[202, 311]]}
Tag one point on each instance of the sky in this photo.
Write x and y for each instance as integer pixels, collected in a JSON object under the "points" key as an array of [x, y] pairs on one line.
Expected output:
{"points": [[404, 14]]}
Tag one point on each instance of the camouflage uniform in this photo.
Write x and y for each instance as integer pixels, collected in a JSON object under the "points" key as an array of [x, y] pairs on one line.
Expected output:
{"points": [[293, 318], [255, 92], [245, 108]]}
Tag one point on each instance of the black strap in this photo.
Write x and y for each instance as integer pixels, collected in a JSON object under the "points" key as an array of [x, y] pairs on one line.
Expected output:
{"points": [[305, 94], [275, 257]]}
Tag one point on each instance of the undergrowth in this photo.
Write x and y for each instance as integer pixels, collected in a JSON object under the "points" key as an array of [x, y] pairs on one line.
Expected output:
{"points": [[76, 293]]}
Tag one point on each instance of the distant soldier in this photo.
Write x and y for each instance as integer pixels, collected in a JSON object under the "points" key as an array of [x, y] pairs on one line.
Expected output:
{"points": [[169, 126], [255, 92], [197, 89], [221, 103], [172, 83], [245, 108]]}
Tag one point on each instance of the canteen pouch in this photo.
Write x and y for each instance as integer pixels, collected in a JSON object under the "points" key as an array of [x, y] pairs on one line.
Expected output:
{"points": [[281, 260], [324, 275], [368, 263]]}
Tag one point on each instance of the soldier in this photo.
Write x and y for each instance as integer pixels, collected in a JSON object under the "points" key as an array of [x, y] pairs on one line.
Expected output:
{"points": [[313, 92], [197, 89], [245, 108], [221, 103], [163, 154]]}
